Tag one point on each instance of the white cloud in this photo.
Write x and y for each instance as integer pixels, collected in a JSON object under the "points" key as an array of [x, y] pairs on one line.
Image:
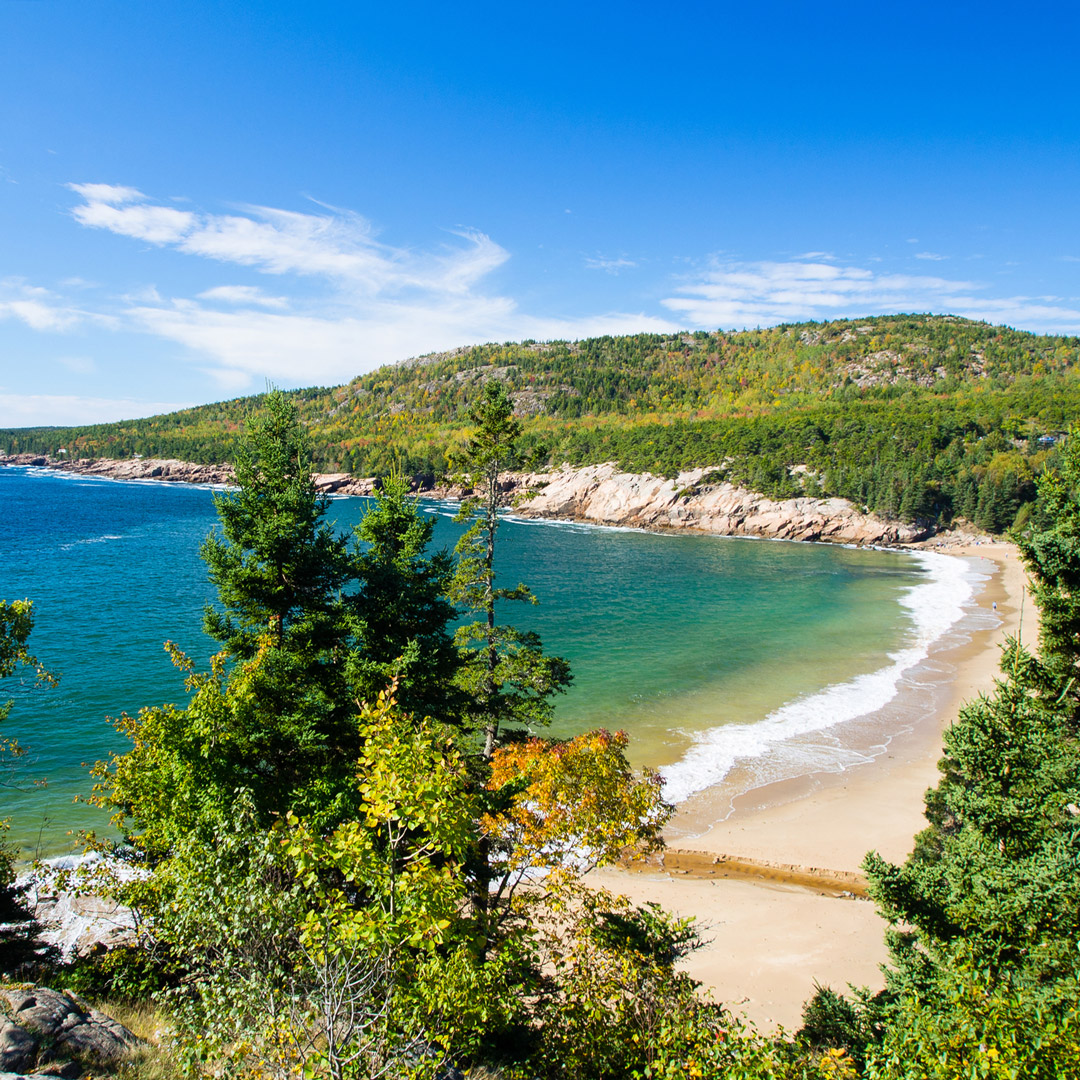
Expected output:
{"points": [[33, 410], [767, 293], [930, 256], [110, 194], [36, 307], [610, 266], [243, 295], [338, 246], [377, 304]]}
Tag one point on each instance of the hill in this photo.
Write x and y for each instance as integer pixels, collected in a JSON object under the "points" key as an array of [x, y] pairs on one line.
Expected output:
{"points": [[912, 416]]}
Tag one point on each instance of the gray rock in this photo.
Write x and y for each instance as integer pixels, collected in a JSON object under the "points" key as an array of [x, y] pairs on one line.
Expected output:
{"points": [[70, 1026], [17, 1047]]}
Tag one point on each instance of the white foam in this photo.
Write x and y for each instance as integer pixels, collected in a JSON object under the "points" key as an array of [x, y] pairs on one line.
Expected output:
{"points": [[934, 606]]}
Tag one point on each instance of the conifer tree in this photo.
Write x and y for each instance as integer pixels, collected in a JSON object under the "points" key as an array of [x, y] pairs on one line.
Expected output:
{"points": [[277, 565], [1052, 555], [399, 613], [506, 673], [311, 625]]}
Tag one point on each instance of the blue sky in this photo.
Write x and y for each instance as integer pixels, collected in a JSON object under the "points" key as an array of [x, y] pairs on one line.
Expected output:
{"points": [[196, 198]]}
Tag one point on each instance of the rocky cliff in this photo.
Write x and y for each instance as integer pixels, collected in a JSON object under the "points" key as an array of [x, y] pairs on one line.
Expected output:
{"points": [[185, 472], [602, 494], [596, 493]]}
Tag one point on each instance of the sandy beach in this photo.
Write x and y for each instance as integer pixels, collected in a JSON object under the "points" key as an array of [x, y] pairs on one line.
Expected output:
{"points": [[773, 876]]}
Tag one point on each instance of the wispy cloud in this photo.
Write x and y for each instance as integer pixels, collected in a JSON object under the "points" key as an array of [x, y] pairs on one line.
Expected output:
{"points": [[610, 266], [38, 308], [32, 410], [339, 246], [930, 256], [243, 294], [371, 303], [766, 293]]}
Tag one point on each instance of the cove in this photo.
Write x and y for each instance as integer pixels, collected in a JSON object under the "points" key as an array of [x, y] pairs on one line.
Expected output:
{"points": [[705, 649]]}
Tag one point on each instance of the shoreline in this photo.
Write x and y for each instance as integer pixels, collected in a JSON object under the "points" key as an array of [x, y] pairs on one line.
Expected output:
{"points": [[773, 874], [782, 854]]}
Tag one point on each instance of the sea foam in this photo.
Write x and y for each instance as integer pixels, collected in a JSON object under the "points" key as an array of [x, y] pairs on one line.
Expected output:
{"points": [[934, 606]]}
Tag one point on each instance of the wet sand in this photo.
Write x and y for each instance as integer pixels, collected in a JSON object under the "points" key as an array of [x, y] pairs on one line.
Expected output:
{"points": [[774, 876]]}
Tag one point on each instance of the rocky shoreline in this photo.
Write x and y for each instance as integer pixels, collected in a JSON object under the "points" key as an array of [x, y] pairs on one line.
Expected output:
{"points": [[596, 494]]}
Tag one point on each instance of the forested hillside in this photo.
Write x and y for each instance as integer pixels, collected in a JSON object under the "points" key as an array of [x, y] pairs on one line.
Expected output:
{"points": [[912, 416]]}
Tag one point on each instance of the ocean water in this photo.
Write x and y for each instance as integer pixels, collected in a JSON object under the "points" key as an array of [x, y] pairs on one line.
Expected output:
{"points": [[709, 651]]}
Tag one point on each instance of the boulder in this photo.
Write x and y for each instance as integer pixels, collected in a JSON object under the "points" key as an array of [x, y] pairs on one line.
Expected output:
{"points": [[69, 1026], [17, 1046]]}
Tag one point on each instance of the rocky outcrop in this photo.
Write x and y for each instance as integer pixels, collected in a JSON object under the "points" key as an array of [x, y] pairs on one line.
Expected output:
{"points": [[596, 493], [605, 496], [43, 1026], [137, 468], [185, 472]]}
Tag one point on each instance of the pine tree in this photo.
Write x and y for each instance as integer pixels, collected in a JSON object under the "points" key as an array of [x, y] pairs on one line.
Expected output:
{"points": [[506, 673], [400, 613], [277, 566], [1052, 556]]}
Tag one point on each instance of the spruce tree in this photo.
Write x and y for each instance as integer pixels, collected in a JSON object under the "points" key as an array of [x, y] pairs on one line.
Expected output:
{"points": [[312, 625], [399, 613], [1052, 556], [277, 565], [506, 674]]}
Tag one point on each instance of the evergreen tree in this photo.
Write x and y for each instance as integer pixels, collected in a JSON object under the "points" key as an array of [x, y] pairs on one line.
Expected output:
{"points": [[1052, 555], [277, 567], [400, 614], [506, 674], [985, 913], [311, 627], [279, 571]]}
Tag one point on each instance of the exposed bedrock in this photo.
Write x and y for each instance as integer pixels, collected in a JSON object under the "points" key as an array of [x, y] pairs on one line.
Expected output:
{"points": [[602, 494], [594, 493]]}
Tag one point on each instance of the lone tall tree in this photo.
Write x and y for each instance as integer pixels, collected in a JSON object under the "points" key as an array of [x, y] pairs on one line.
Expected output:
{"points": [[506, 674]]}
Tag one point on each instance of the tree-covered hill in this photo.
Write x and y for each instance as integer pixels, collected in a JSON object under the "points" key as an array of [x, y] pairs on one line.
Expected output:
{"points": [[910, 415]]}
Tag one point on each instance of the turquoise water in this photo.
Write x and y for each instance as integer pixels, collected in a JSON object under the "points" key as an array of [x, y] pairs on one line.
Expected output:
{"points": [[673, 638]]}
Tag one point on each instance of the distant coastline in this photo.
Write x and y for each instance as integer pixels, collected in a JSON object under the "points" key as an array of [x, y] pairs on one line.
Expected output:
{"points": [[597, 494]]}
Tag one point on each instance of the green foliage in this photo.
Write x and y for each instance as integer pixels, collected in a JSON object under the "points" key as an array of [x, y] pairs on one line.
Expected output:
{"points": [[20, 946], [1052, 555], [985, 913], [127, 974], [506, 676], [311, 626], [981, 1028], [995, 874], [399, 613], [921, 417], [832, 1021], [277, 566]]}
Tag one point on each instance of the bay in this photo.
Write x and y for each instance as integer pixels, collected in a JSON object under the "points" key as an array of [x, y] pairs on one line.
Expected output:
{"points": [[671, 637]]}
